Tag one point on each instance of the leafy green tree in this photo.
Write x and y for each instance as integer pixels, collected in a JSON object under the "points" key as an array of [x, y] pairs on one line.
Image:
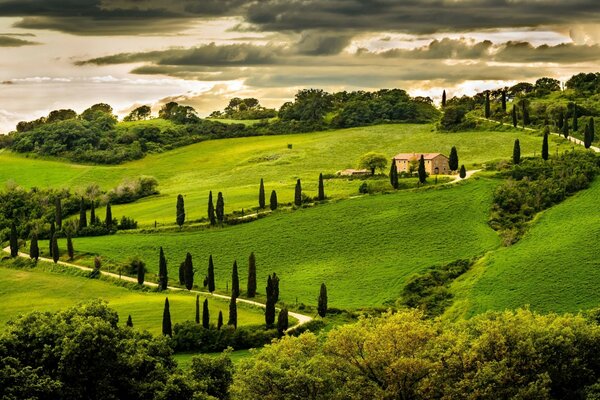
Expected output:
{"points": [[129, 321], [167, 329], [220, 320], [82, 215], [188, 272], [463, 172], [108, 221], [58, 213], [235, 281], [453, 159], [213, 374], [55, 250], [444, 99], [180, 211], [220, 208], [545, 146], [394, 175], [565, 129], [211, 209], [422, 172], [373, 161], [14, 241], [322, 304], [517, 152], [261, 194], [251, 289], [163, 278], [139, 114], [34, 250], [298, 194], [232, 312], [487, 104], [197, 308], [70, 249], [282, 321], [211, 274], [514, 116], [321, 195], [205, 315], [273, 201]]}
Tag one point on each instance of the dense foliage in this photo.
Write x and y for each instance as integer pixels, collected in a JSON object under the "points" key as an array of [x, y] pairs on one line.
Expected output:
{"points": [[189, 336], [244, 109]]}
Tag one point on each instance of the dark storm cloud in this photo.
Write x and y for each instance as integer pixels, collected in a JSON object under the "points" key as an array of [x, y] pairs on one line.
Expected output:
{"points": [[567, 53], [445, 49], [322, 43], [12, 41]]}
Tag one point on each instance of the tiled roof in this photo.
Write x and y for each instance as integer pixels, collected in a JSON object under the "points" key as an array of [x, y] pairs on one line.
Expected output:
{"points": [[417, 156]]}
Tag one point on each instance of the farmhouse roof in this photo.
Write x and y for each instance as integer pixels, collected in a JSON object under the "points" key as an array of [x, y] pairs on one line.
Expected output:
{"points": [[413, 156]]}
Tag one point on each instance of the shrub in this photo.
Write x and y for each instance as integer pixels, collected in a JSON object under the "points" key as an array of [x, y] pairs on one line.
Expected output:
{"points": [[127, 223], [189, 336]]}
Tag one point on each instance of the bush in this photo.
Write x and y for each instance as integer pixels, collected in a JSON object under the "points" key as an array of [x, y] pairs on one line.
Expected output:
{"points": [[130, 190], [189, 336], [127, 223]]}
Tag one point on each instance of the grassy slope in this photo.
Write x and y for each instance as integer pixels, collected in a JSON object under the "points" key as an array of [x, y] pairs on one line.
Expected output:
{"points": [[363, 248], [235, 166], [26, 290], [555, 267]]}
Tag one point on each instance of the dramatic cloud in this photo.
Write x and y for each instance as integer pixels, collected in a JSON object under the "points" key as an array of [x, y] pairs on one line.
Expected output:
{"points": [[12, 41]]}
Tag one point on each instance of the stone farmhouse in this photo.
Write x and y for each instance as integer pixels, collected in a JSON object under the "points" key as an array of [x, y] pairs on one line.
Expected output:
{"points": [[435, 163]]}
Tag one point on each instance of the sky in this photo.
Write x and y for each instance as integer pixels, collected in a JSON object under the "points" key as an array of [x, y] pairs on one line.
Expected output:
{"points": [[74, 53]]}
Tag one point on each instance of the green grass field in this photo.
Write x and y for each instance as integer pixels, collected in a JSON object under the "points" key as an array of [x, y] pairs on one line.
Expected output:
{"points": [[555, 267], [235, 166], [363, 248], [45, 288]]}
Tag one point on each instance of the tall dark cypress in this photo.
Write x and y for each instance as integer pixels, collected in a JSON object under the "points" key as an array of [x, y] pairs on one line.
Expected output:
{"points": [[270, 305], [211, 209], [453, 159], [444, 99], [182, 273], [321, 195], [545, 146], [587, 142], [70, 249], [517, 152], [504, 100], [273, 201], [463, 172], [50, 244], [188, 272], [163, 278], [298, 194], [282, 321], [525, 114], [206, 315], [394, 175], [235, 281], [220, 208], [561, 119], [322, 305], [34, 250], [487, 104], [251, 289], [129, 321], [211, 274], [82, 215], [141, 272], [220, 320], [108, 221], [422, 172], [180, 213], [93, 213], [197, 308], [261, 194], [167, 330], [565, 129], [58, 213], [575, 120], [55, 251], [14, 241], [232, 312], [275, 280], [514, 116]]}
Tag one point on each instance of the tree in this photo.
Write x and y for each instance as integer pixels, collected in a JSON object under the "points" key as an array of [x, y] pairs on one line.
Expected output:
{"points": [[211, 274], [422, 172], [463, 172], [453, 160], [394, 175], [55, 250], [188, 272], [182, 273], [270, 304], [575, 120], [211, 209], [70, 249], [322, 304], [444, 99], [232, 312], [108, 221], [545, 146], [504, 100], [298, 194], [587, 142], [565, 129], [373, 161], [251, 290], [14, 241], [58, 213], [525, 113], [140, 268], [167, 330], [235, 281], [163, 278], [180, 211], [514, 116], [205, 315], [321, 195], [197, 308], [273, 201], [282, 321], [139, 114], [93, 213], [220, 320], [517, 152], [561, 119], [50, 244], [129, 321], [261, 194], [82, 215], [220, 208], [592, 130], [275, 281], [34, 250], [487, 104]]}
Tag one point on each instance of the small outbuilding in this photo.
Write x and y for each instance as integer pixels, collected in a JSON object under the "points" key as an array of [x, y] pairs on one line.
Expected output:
{"points": [[354, 172]]}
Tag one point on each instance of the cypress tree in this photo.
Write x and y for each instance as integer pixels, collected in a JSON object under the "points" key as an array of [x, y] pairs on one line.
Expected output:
{"points": [[70, 249], [587, 137], [261, 194], [14, 241], [52, 232], [220, 320], [273, 202], [504, 100], [34, 250], [321, 188], [188, 272], [525, 114], [487, 104], [444, 99], [182, 273], [211, 274], [565, 129], [206, 315], [282, 321], [394, 175], [235, 281], [82, 215], [129, 321], [211, 209], [298, 194], [167, 330], [232, 312], [197, 308], [422, 172], [322, 305], [270, 305], [575, 121], [93, 213], [180, 211], [55, 251], [108, 221], [453, 159], [514, 116], [545, 146], [463, 172], [220, 207], [517, 152], [275, 280], [592, 130], [251, 290], [141, 271], [561, 119], [163, 278], [58, 213]]}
